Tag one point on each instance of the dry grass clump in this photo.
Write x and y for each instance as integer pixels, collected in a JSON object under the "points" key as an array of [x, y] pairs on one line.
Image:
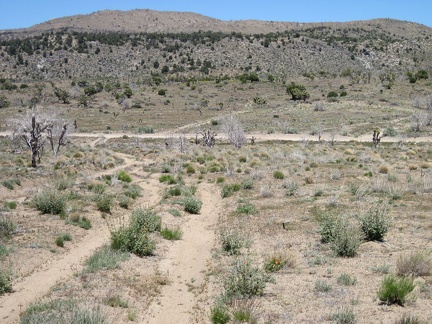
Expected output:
{"points": [[414, 264]]}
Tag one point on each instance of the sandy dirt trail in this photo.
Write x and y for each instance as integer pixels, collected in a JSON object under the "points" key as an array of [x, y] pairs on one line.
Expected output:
{"points": [[39, 283], [186, 264]]}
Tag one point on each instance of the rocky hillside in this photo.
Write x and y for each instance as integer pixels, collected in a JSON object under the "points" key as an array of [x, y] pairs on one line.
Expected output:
{"points": [[173, 45]]}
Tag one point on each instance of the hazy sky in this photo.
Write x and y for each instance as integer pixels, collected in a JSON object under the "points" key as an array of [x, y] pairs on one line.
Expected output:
{"points": [[25, 13]]}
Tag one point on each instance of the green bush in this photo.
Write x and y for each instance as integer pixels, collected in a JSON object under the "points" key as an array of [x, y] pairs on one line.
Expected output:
{"points": [[346, 240], [192, 205], [8, 184], [80, 221], [5, 281], [50, 201], [62, 238], [394, 290], [245, 280], [332, 94], [228, 190], [246, 208], [278, 175], [124, 176], [275, 264], [145, 219], [247, 184], [104, 258], [124, 202], [133, 240], [145, 130], [171, 234], [104, 203], [346, 280], [168, 178], [322, 286], [219, 314], [11, 204], [374, 224]]}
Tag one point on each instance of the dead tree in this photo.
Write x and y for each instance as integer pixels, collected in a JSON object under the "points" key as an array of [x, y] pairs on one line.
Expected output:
{"points": [[253, 140], [208, 138], [376, 139], [34, 135], [234, 130], [57, 135]]}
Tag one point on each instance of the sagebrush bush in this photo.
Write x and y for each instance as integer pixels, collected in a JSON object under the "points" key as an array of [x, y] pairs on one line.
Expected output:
{"points": [[7, 227], [245, 279], [346, 280], [343, 315], [394, 290], [80, 221], [219, 314], [133, 191], [322, 286], [50, 201], [232, 241], [414, 264], [5, 281], [346, 239], [192, 205], [375, 224]]}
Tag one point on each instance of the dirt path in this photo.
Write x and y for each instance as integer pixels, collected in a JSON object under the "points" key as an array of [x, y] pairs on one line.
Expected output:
{"points": [[186, 263], [39, 283]]}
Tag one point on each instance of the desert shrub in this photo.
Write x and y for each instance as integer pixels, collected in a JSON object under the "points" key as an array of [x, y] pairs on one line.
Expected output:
{"points": [[11, 204], [50, 201], [409, 319], [291, 188], [145, 219], [247, 184], [328, 224], [124, 176], [80, 221], [322, 286], [5, 281], [145, 130], [175, 212], [98, 188], [219, 314], [124, 202], [168, 178], [192, 205], [274, 264], [104, 258], [346, 240], [161, 92], [374, 224], [171, 234], [346, 280], [132, 238], [414, 264], [220, 180], [190, 169], [116, 301], [343, 315], [232, 241], [133, 191], [4, 251], [332, 94], [246, 208], [9, 184], [244, 279], [104, 202], [245, 310], [7, 227], [278, 175], [394, 290], [229, 189], [62, 238]]}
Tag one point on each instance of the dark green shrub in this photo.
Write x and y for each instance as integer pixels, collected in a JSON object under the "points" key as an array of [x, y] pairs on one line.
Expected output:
{"points": [[297, 91], [394, 290], [50, 201], [168, 178], [145, 130], [161, 92], [8, 184], [374, 224], [246, 208], [133, 239], [171, 234], [80, 221], [62, 238], [278, 175], [124, 176], [332, 94]]}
